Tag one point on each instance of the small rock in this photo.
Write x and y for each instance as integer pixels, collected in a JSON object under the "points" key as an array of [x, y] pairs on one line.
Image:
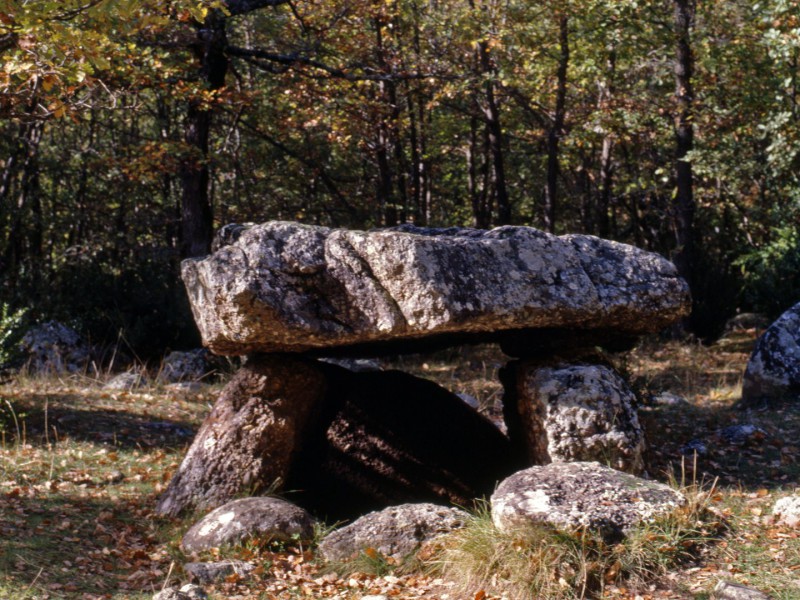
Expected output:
{"points": [[171, 594], [395, 532], [742, 434], [668, 399], [261, 518], [787, 511], [185, 366], [195, 592], [212, 572], [127, 381], [694, 446], [570, 496], [745, 321], [725, 590], [186, 387]]}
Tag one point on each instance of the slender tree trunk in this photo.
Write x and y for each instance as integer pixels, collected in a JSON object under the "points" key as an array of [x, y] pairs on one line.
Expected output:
{"points": [[606, 153], [494, 130], [197, 221], [684, 138], [557, 127]]}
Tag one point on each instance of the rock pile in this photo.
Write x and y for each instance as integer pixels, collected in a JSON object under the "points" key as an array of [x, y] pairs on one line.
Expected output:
{"points": [[301, 302]]}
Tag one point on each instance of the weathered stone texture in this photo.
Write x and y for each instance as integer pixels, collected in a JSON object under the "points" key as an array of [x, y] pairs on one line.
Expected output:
{"points": [[575, 413], [393, 438], [250, 438], [773, 370], [570, 496], [395, 532], [289, 287], [262, 519], [53, 348]]}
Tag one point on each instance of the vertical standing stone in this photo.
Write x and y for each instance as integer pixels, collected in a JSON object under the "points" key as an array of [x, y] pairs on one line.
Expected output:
{"points": [[573, 412], [250, 438]]}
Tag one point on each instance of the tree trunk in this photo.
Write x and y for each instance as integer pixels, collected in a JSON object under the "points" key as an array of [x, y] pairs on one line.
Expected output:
{"points": [[557, 127], [684, 138], [197, 221], [606, 153]]}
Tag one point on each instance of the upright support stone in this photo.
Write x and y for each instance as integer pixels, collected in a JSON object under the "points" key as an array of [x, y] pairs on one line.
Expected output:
{"points": [[251, 436], [573, 412]]}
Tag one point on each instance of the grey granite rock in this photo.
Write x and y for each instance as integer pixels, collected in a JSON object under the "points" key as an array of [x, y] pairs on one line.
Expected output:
{"points": [[787, 511], [262, 519], [55, 348], [213, 572], [570, 496], [773, 370], [289, 287], [577, 412], [395, 532]]}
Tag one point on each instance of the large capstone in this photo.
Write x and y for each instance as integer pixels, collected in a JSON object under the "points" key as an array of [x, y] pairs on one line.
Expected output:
{"points": [[286, 287], [573, 412], [574, 496], [773, 371]]}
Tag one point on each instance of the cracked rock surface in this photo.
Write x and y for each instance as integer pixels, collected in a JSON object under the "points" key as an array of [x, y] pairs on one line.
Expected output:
{"points": [[571, 496], [578, 412], [286, 287], [773, 370], [394, 532]]}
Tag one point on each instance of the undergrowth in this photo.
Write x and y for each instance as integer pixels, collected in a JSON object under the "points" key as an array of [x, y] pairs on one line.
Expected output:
{"points": [[540, 562]]}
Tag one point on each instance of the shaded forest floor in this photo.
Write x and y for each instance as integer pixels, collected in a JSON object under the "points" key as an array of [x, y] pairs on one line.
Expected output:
{"points": [[81, 468]]}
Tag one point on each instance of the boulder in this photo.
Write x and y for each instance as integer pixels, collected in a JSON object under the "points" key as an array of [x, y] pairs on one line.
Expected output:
{"points": [[53, 348], [394, 438], [187, 592], [261, 519], [566, 413], [787, 511], [188, 366], [128, 381], [286, 287], [250, 438], [395, 532], [572, 496], [773, 370]]}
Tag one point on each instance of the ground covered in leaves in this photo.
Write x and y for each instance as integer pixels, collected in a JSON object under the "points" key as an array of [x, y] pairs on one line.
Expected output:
{"points": [[81, 468]]}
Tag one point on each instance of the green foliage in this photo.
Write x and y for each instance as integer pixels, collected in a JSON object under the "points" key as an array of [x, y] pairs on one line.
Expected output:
{"points": [[11, 329], [772, 273]]}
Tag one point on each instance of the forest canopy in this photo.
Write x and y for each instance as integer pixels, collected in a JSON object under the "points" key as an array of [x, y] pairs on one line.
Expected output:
{"points": [[132, 129]]}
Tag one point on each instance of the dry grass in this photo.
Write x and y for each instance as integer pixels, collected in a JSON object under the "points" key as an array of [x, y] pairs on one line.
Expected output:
{"points": [[81, 467]]}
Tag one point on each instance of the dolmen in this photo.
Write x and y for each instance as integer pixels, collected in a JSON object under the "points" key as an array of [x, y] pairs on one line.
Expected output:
{"points": [[300, 302]]}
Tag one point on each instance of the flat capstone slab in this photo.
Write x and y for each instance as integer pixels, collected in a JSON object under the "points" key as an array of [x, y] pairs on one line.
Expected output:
{"points": [[578, 495], [287, 287]]}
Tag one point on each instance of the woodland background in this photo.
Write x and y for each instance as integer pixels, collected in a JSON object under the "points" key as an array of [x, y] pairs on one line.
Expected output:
{"points": [[131, 129]]}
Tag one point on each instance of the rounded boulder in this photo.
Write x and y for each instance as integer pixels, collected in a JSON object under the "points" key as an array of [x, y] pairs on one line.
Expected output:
{"points": [[259, 518]]}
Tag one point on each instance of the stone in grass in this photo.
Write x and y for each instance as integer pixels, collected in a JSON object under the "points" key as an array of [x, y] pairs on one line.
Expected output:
{"points": [[260, 518], [394, 532], [572, 496], [787, 511], [187, 592], [130, 380], [725, 590], [773, 371], [212, 572], [53, 348]]}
